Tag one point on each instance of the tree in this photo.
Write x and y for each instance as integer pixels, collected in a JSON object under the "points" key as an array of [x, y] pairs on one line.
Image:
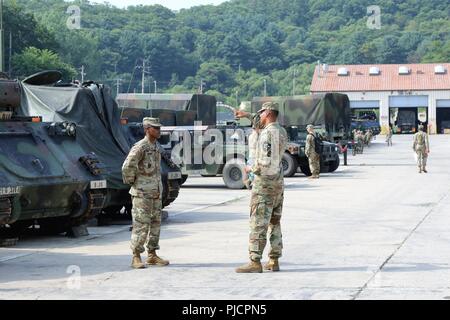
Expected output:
{"points": [[33, 60], [217, 75]]}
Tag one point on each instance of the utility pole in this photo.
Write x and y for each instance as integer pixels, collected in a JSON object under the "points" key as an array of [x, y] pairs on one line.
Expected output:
{"points": [[82, 74], [293, 83], [118, 86], [143, 76], [10, 53], [201, 86], [237, 92], [155, 85], [2, 57], [265, 87]]}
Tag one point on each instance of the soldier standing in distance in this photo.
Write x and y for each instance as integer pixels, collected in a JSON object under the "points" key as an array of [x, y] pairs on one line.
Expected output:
{"points": [[141, 170], [267, 192], [389, 136], [310, 151], [421, 147]]}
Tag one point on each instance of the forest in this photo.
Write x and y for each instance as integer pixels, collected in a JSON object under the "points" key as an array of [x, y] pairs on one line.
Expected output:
{"points": [[234, 51]]}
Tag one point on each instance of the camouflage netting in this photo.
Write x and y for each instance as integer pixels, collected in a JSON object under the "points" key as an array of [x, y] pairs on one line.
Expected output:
{"points": [[96, 115]]}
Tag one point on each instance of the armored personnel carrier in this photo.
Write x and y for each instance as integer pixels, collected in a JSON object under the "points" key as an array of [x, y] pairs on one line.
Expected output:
{"points": [[62, 147], [46, 177], [91, 107]]}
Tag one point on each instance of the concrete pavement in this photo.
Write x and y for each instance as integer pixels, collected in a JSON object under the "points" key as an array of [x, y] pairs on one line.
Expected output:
{"points": [[375, 229]]}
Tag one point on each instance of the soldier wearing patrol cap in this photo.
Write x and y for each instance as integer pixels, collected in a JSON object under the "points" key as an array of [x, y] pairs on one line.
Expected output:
{"points": [[310, 152], [141, 170], [267, 192], [421, 146]]}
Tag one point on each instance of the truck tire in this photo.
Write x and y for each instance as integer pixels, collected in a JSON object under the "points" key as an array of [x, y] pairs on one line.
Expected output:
{"points": [[233, 174], [290, 165], [183, 179], [333, 165]]}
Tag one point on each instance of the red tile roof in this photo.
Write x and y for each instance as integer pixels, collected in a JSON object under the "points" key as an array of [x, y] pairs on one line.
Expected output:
{"points": [[421, 77]]}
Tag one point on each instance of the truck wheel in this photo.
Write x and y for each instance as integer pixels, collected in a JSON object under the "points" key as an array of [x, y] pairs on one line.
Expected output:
{"points": [[183, 178], [305, 169], [334, 164], [290, 165], [233, 174]]}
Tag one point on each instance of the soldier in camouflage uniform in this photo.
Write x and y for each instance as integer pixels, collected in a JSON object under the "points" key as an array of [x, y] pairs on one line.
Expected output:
{"points": [[421, 146], [267, 192], [368, 137], [141, 170], [313, 156], [389, 136]]}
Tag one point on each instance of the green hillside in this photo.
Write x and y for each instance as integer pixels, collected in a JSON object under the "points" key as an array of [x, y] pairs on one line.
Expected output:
{"points": [[232, 47]]}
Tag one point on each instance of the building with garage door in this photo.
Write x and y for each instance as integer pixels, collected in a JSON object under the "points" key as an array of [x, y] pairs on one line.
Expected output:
{"points": [[401, 95]]}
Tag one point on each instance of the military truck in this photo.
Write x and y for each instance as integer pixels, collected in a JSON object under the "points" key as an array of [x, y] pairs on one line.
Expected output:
{"points": [[46, 177], [189, 117], [364, 120], [330, 115], [406, 120]]}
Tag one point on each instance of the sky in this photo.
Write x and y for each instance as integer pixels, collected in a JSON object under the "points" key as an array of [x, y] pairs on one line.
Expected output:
{"points": [[171, 4]]}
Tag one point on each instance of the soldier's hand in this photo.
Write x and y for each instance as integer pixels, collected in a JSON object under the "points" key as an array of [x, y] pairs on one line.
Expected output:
{"points": [[240, 114], [247, 169]]}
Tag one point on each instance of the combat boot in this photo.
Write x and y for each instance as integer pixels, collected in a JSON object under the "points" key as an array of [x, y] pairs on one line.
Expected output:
{"points": [[251, 267], [136, 263], [424, 170], [154, 260], [272, 265], [420, 170]]}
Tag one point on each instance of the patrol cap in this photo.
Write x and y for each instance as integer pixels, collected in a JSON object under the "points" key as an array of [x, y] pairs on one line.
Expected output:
{"points": [[151, 122], [269, 106], [309, 126]]}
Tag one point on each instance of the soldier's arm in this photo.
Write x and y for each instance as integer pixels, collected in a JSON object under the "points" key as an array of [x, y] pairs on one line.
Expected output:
{"points": [[414, 142], [243, 114], [130, 166], [428, 144]]}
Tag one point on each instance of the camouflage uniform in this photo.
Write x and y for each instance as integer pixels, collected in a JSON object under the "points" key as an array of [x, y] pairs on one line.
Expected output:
{"points": [[141, 169], [421, 146], [252, 146], [267, 193], [313, 156], [389, 137], [368, 137]]}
